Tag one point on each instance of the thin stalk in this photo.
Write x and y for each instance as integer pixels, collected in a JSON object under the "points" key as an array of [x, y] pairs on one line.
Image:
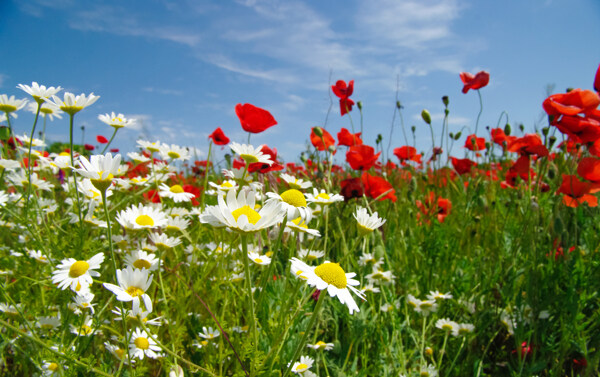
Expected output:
{"points": [[110, 141], [206, 175], [71, 116], [480, 110], [37, 113], [249, 290]]}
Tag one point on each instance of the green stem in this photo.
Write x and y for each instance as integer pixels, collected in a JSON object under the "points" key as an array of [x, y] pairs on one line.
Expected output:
{"points": [[29, 164], [206, 175], [110, 141], [71, 116], [480, 110], [250, 295]]}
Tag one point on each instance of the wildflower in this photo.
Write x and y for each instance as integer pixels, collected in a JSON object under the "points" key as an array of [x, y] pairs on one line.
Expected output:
{"points": [[149, 146], [575, 102], [141, 259], [174, 152], [462, 165], [438, 296], [47, 109], [117, 351], [254, 119], [377, 187], [83, 300], [39, 92], [369, 288], [323, 198], [343, 92], [423, 307], [133, 284], [292, 201], [143, 345], [85, 329], [380, 276], [351, 188], [321, 139], [474, 82], [474, 143], [51, 368], [176, 193], [348, 139], [295, 183], [239, 213], [35, 254], [320, 345], [407, 153], [300, 225], [303, 365], [141, 217], [209, 333], [446, 325], [367, 223], [116, 121], [463, 329], [48, 323], [9, 105], [310, 255], [428, 371], [332, 277], [361, 157], [100, 169], [218, 137], [77, 274], [250, 154], [73, 104], [259, 259], [576, 192]]}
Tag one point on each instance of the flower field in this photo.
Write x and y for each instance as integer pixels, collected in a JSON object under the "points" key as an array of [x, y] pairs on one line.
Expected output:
{"points": [[476, 255]]}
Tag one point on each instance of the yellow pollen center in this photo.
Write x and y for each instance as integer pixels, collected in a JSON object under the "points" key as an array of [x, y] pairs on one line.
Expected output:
{"points": [[85, 330], [7, 108], [227, 185], [53, 367], [134, 291], [78, 268], [177, 189], [324, 196], [144, 220], [294, 198], [174, 154], [332, 274], [426, 305], [300, 223], [142, 263], [251, 214], [447, 327], [46, 110], [321, 344], [250, 159], [258, 260], [301, 366], [142, 343], [363, 230], [120, 352]]}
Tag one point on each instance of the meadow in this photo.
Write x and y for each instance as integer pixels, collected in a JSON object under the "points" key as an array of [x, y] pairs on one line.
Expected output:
{"points": [[408, 261]]}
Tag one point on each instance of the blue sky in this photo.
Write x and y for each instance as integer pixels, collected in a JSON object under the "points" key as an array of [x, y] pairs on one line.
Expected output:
{"points": [[181, 66]]}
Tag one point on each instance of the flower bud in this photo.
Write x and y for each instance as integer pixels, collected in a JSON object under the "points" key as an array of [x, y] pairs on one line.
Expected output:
{"points": [[507, 129], [331, 149], [458, 135], [426, 116], [318, 131], [398, 105], [359, 105], [445, 100]]}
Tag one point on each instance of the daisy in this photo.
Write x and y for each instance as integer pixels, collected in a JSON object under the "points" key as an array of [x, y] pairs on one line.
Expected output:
{"points": [[259, 259], [83, 300], [321, 346], [423, 307], [117, 351], [209, 333], [19, 178], [10, 105], [133, 284], [428, 371], [84, 329], [367, 259], [143, 345], [116, 121], [141, 316], [141, 217], [77, 274], [446, 325], [48, 323], [299, 224], [177, 224], [293, 182], [73, 104], [292, 201], [100, 169], [381, 277], [39, 92], [174, 152], [149, 145], [370, 288], [323, 198], [251, 154], [141, 259], [178, 212], [38, 256], [91, 192], [3, 198], [310, 255], [239, 214], [438, 296], [26, 140], [138, 158], [10, 309], [176, 193], [225, 186], [387, 307], [48, 110], [50, 368], [463, 329], [163, 242], [331, 276], [367, 223], [303, 365]]}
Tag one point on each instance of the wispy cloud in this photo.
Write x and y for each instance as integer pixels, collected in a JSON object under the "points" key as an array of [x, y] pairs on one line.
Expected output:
{"points": [[168, 92]]}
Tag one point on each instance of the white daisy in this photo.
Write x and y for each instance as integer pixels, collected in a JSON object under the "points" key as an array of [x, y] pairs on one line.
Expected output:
{"points": [[39, 92], [174, 152], [77, 274], [251, 154], [85, 329], [320, 345], [176, 224], [331, 276], [209, 333], [50, 368], [423, 307], [300, 225], [176, 193], [138, 158], [143, 345], [164, 242], [438, 296], [72, 104], [149, 145], [100, 169], [117, 351], [133, 284], [9, 105], [323, 198], [38, 256], [295, 183], [141, 217], [446, 325], [48, 110], [303, 365], [463, 329], [83, 300], [48, 323], [227, 185], [116, 121], [293, 201], [239, 213], [310, 255], [367, 223], [141, 259], [259, 259]]}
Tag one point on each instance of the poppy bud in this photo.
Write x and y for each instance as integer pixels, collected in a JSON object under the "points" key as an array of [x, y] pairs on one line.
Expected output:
{"points": [[551, 141], [318, 131], [379, 139], [545, 131], [521, 127], [458, 135], [446, 112], [487, 145], [569, 90], [228, 159], [426, 116], [413, 129], [331, 149], [359, 105], [445, 100], [507, 129], [451, 134], [398, 105]]}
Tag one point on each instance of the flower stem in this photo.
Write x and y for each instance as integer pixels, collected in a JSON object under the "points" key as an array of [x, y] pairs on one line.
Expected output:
{"points": [[480, 110], [71, 116], [249, 291], [206, 176], [29, 162], [110, 141]]}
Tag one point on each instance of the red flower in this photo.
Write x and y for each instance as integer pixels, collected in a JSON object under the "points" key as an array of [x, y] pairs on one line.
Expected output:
{"points": [[576, 192], [589, 169], [218, 137], [524, 351], [193, 190], [114, 150], [101, 139], [462, 165], [361, 157], [351, 188], [432, 206], [474, 143], [575, 102], [348, 139], [346, 105], [580, 129], [478, 81], [528, 145], [597, 80], [254, 119], [152, 196], [88, 147], [321, 143], [343, 92], [407, 153], [265, 168], [377, 187]]}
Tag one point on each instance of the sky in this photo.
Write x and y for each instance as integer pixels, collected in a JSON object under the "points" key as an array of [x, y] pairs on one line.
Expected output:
{"points": [[181, 66]]}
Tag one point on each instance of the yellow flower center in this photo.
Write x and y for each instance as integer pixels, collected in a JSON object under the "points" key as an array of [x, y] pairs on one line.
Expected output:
{"points": [[424, 373], [7, 108], [141, 343], [300, 223], [258, 260], [250, 159], [463, 331], [332, 274], [324, 195], [173, 154], [134, 291], [120, 353], [46, 110], [144, 220], [321, 344], [78, 268], [251, 214], [177, 189], [85, 330], [301, 366], [47, 326], [363, 230], [142, 263], [71, 110], [446, 327], [53, 367], [294, 198], [425, 305], [226, 185]]}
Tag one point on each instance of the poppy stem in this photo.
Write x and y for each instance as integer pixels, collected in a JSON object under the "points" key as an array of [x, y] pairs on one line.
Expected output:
{"points": [[110, 141], [480, 111]]}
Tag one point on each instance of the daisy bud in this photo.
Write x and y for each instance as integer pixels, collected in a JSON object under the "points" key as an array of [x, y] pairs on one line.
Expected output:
{"points": [[426, 116]]}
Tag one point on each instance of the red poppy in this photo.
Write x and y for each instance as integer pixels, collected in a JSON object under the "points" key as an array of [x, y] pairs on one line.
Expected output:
{"points": [[89, 147], [474, 143], [597, 80], [114, 150], [576, 192], [528, 145], [575, 102], [462, 165], [351, 188], [524, 351], [407, 153], [101, 139], [361, 157], [254, 119], [321, 142], [478, 81], [377, 187], [346, 105], [265, 168], [589, 169], [343, 92], [152, 196], [193, 190], [580, 129], [432, 206], [348, 139], [218, 137]]}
